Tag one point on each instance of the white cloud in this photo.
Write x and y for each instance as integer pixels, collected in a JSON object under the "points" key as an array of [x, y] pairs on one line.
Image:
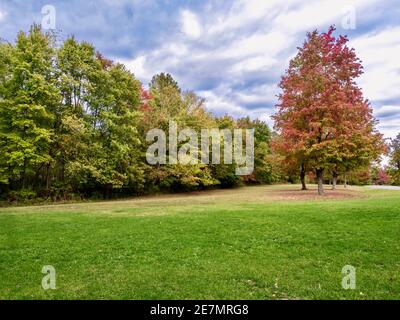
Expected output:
{"points": [[387, 111], [220, 104], [190, 24], [225, 100], [2, 15], [137, 67], [306, 16], [244, 12], [240, 53], [257, 63], [389, 123], [380, 54], [265, 43], [390, 129]]}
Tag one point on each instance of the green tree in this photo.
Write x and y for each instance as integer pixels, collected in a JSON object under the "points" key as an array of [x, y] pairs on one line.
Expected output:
{"points": [[163, 80], [225, 173], [77, 68], [75, 122], [115, 128], [102, 100], [262, 160], [167, 104], [395, 160], [29, 98]]}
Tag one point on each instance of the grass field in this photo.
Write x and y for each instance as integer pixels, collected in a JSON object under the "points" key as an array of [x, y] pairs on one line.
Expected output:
{"points": [[267, 242]]}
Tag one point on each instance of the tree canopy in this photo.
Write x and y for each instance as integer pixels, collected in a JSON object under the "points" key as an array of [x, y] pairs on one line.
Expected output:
{"points": [[73, 124], [394, 164], [324, 121]]}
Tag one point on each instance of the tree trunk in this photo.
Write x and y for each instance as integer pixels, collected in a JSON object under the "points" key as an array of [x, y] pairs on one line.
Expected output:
{"points": [[23, 175], [345, 180], [303, 177], [320, 177], [334, 181], [48, 171]]}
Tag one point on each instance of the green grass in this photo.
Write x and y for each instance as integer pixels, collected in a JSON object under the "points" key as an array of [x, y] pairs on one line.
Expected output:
{"points": [[246, 243]]}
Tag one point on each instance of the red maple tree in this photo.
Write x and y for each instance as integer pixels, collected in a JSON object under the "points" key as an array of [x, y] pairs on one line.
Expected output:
{"points": [[324, 121]]}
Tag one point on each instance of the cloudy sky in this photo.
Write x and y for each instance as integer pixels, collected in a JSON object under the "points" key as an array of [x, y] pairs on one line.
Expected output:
{"points": [[230, 52]]}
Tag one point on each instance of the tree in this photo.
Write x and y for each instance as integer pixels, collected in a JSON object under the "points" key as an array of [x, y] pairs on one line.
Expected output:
{"points": [[76, 66], [395, 159], [166, 103], [6, 57], [395, 152], [262, 161], [29, 96], [322, 115], [380, 176], [361, 176], [100, 116], [73, 122], [293, 160], [225, 173], [163, 80], [113, 102], [360, 151]]}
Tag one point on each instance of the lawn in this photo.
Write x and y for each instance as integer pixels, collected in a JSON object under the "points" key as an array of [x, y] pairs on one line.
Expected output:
{"points": [[266, 242]]}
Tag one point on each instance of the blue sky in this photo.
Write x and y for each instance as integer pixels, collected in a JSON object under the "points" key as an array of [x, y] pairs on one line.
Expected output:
{"points": [[230, 52]]}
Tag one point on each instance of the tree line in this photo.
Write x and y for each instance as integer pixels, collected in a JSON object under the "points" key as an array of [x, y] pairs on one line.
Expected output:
{"points": [[73, 123], [390, 174]]}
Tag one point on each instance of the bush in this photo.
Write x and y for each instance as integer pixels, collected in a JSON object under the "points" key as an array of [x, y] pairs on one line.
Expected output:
{"points": [[23, 195]]}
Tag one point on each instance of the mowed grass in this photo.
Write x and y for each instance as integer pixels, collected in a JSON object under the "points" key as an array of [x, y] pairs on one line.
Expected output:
{"points": [[248, 243]]}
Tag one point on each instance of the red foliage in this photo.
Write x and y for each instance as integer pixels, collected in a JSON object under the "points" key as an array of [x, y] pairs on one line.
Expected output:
{"points": [[382, 178], [105, 63], [145, 97], [322, 116]]}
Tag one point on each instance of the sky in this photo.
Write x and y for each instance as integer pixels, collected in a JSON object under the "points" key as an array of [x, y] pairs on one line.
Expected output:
{"points": [[232, 53]]}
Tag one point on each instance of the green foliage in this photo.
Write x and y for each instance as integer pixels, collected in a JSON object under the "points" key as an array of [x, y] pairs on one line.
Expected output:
{"points": [[395, 177], [22, 195], [74, 123], [163, 80], [262, 161], [29, 96], [394, 165], [187, 110]]}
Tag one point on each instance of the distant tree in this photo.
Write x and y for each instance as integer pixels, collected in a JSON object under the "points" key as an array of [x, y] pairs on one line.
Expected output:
{"points": [[294, 162], [360, 176], [322, 116], [395, 159], [163, 80], [262, 137], [225, 173], [164, 103], [380, 176], [395, 152]]}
